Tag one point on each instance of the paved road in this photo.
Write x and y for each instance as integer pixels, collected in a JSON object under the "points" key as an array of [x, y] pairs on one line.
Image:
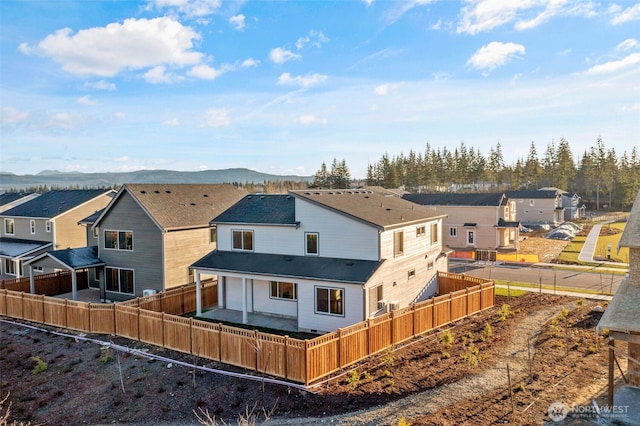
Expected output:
{"points": [[600, 280]]}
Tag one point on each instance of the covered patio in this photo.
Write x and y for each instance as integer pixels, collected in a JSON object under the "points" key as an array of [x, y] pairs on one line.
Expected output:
{"points": [[253, 319]]}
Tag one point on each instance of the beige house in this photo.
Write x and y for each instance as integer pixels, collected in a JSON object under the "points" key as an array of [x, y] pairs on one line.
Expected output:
{"points": [[474, 221], [542, 207], [150, 233], [45, 223]]}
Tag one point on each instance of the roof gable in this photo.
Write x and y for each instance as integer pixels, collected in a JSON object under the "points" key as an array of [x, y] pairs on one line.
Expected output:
{"points": [[54, 203], [180, 206], [375, 208]]}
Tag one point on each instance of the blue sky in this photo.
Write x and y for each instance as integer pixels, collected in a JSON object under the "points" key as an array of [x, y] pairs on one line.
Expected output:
{"points": [[282, 86]]}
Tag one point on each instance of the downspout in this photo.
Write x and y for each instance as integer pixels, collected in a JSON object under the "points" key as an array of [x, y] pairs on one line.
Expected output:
{"points": [[198, 295]]}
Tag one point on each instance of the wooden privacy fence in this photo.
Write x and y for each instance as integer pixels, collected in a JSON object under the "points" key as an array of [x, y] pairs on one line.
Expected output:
{"points": [[47, 284], [302, 361]]}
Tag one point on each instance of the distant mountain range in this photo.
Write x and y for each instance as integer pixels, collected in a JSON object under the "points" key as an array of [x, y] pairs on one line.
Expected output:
{"points": [[71, 179]]}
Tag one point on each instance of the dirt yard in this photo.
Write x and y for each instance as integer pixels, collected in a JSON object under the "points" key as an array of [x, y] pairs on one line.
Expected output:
{"points": [[58, 380]]}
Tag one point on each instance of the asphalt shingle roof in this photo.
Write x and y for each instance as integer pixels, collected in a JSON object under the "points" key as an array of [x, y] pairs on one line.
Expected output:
{"points": [[486, 199], [532, 194], [54, 203], [176, 206], [305, 267], [10, 197], [78, 258], [376, 208], [261, 209], [14, 247]]}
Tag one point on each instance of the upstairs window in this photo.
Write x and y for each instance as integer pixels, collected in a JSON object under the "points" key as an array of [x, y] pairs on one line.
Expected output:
{"points": [[47, 226], [453, 232], [118, 240], [32, 226], [311, 243], [213, 235], [434, 233], [9, 227], [242, 240], [421, 231], [398, 243]]}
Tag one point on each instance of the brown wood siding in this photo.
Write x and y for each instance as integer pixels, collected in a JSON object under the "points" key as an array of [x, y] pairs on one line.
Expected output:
{"points": [[146, 257], [67, 231], [182, 249]]}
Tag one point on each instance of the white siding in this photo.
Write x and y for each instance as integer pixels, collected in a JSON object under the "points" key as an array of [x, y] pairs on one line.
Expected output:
{"points": [[263, 303], [309, 320], [339, 235]]}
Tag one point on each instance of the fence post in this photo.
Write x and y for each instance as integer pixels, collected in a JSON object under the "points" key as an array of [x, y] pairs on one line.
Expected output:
{"points": [[66, 313], [368, 336], [286, 356], [339, 348], [162, 322], [467, 301], [450, 307]]}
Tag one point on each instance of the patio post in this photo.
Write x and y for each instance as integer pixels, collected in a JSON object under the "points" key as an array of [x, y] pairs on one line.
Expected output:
{"points": [[74, 285], [32, 281], [198, 294], [244, 301]]}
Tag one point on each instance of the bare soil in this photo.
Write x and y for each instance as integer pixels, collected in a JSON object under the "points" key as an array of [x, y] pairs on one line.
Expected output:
{"points": [[82, 383]]}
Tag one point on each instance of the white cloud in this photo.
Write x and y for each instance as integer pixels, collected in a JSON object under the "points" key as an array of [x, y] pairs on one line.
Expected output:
{"points": [[399, 9], [565, 52], [310, 119], [122, 159], [118, 115], [101, 85], [86, 100], [250, 62], [494, 54], [303, 81], [11, 115], [63, 120], [385, 89], [134, 44], [217, 117], [205, 72], [189, 8], [280, 55], [173, 122], [368, 2], [484, 15], [237, 22], [159, 75], [314, 39], [613, 66], [629, 14], [628, 44]]}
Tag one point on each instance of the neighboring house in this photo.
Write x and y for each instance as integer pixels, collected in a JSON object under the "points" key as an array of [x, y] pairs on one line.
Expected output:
{"points": [[621, 320], [327, 259], [45, 223], [484, 221], [542, 207], [574, 209], [150, 234], [9, 200]]}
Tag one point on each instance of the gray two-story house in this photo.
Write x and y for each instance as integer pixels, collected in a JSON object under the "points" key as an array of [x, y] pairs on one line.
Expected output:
{"points": [[44, 223]]}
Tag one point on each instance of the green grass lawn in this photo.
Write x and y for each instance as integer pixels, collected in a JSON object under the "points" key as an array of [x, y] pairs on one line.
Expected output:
{"points": [[572, 250]]}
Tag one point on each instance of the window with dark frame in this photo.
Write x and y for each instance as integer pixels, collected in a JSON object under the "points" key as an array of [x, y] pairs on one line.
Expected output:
{"points": [[9, 226], [311, 243], [119, 280], [453, 232], [330, 300], [242, 240], [118, 240], [398, 243], [283, 290]]}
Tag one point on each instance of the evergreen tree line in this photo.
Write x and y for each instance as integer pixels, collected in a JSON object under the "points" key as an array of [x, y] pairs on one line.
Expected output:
{"points": [[599, 175], [338, 177]]}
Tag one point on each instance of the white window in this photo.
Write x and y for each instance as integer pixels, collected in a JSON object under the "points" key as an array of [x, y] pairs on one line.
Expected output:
{"points": [[430, 265], [330, 301], [411, 274], [213, 235], [434, 233], [375, 298], [96, 232], [421, 231], [283, 290], [9, 267], [398, 243], [118, 240], [119, 280], [242, 240], [311, 243], [9, 227], [32, 226], [470, 237], [47, 226], [453, 232]]}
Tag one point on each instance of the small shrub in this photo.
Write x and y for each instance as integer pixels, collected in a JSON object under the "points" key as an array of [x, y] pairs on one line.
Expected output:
{"points": [[445, 355], [389, 358], [488, 331], [564, 312], [447, 338], [40, 365], [580, 302], [354, 379], [593, 349], [504, 312], [387, 373], [519, 387], [106, 355], [390, 383], [366, 375], [471, 355]]}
